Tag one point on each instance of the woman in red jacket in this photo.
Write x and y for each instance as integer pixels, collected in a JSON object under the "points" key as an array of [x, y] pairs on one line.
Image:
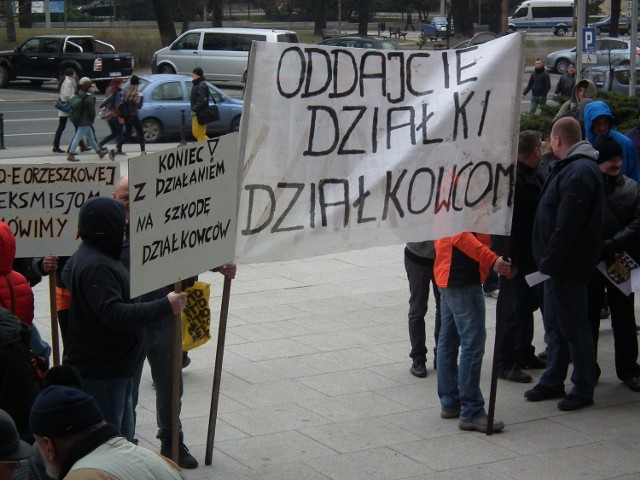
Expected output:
{"points": [[15, 293]]}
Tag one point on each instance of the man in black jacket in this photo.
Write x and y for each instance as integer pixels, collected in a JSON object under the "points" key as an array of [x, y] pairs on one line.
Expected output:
{"points": [[104, 338], [539, 85], [567, 244], [621, 233], [199, 102], [517, 350]]}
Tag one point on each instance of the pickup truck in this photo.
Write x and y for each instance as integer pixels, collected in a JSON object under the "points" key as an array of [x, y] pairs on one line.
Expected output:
{"points": [[46, 57]]}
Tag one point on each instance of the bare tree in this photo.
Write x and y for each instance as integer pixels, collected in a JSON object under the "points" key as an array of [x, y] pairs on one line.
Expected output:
{"points": [[462, 17], [363, 16], [320, 17], [216, 12], [10, 21], [165, 22], [25, 17], [615, 18]]}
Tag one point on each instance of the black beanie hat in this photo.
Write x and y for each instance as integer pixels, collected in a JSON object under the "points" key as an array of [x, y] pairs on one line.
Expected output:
{"points": [[60, 411], [607, 148], [198, 71]]}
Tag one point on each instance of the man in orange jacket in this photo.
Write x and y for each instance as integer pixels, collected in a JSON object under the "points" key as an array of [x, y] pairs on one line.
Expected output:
{"points": [[461, 267]]}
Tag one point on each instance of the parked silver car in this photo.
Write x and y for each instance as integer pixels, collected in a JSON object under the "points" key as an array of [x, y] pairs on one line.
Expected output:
{"points": [[618, 82], [609, 52]]}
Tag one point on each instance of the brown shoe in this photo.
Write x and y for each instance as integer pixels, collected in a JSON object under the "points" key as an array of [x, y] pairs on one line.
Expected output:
{"points": [[102, 153], [72, 158]]}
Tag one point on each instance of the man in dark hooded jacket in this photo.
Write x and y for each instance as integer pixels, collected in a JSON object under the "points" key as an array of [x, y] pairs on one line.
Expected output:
{"points": [[567, 243], [104, 335]]}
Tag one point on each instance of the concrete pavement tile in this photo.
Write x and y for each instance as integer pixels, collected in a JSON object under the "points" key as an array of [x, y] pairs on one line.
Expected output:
{"points": [[353, 406], [350, 381], [386, 333], [267, 450], [272, 331], [455, 451], [362, 434], [332, 323], [272, 370], [338, 306], [270, 349], [263, 299], [388, 256], [416, 395], [268, 284], [281, 418], [330, 341], [425, 423], [372, 464], [531, 437], [604, 424], [267, 314], [558, 465], [281, 471], [477, 472], [399, 372], [341, 360], [621, 453], [272, 394]]}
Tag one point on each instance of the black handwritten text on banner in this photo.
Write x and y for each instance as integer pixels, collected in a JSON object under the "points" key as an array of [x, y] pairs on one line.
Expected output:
{"points": [[183, 204], [349, 148], [40, 203]]}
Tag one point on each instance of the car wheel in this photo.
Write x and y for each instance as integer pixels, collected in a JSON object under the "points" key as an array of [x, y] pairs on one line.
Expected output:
{"points": [[562, 65], [36, 83], [561, 31], [164, 68], [152, 130], [235, 125], [4, 76]]}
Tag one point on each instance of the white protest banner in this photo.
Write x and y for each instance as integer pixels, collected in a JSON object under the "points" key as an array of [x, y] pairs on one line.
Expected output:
{"points": [[40, 203], [183, 207], [348, 148]]}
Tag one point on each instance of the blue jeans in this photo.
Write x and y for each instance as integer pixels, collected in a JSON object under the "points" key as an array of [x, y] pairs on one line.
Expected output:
{"points": [[85, 130], [462, 326], [569, 337], [113, 396]]}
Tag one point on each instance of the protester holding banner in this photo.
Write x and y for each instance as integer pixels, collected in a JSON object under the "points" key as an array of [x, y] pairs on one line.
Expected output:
{"points": [[199, 102], [104, 334], [567, 244], [462, 264], [621, 233], [418, 263], [521, 301]]}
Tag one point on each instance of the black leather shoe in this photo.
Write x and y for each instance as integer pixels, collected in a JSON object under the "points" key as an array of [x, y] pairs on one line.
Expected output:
{"points": [[418, 369], [533, 363], [57, 150], [540, 393], [633, 383], [185, 459], [572, 402], [514, 374], [84, 148]]}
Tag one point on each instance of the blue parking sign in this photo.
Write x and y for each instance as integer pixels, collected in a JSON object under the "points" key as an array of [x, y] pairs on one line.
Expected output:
{"points": [[589, 40]]}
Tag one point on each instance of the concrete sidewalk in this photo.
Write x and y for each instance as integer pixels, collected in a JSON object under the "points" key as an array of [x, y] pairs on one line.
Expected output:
{"points": [[316, 385]]}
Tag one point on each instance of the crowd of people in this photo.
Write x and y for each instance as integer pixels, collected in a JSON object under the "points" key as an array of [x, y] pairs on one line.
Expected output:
{"points": [[80, 416], [576, 213]]}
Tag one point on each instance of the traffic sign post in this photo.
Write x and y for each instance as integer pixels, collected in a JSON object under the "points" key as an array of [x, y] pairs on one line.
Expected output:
{"points": [[589, 45]]}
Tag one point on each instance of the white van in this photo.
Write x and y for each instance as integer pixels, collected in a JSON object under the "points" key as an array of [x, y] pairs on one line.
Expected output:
{"points": [[555, 14], [222, 53]]}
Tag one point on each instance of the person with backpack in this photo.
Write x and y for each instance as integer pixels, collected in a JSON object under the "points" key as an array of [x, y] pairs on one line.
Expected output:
{"points": [[82, 112], [131, 103]]}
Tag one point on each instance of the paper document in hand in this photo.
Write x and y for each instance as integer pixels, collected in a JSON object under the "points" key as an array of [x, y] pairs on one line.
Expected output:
{"points": [[619, 272]]}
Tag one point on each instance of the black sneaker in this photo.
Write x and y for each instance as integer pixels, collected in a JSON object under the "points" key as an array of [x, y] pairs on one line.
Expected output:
{"points": [[514, 374], [185, 459], [540, 393], [572, 402], [418, 369], [533, 363]]}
